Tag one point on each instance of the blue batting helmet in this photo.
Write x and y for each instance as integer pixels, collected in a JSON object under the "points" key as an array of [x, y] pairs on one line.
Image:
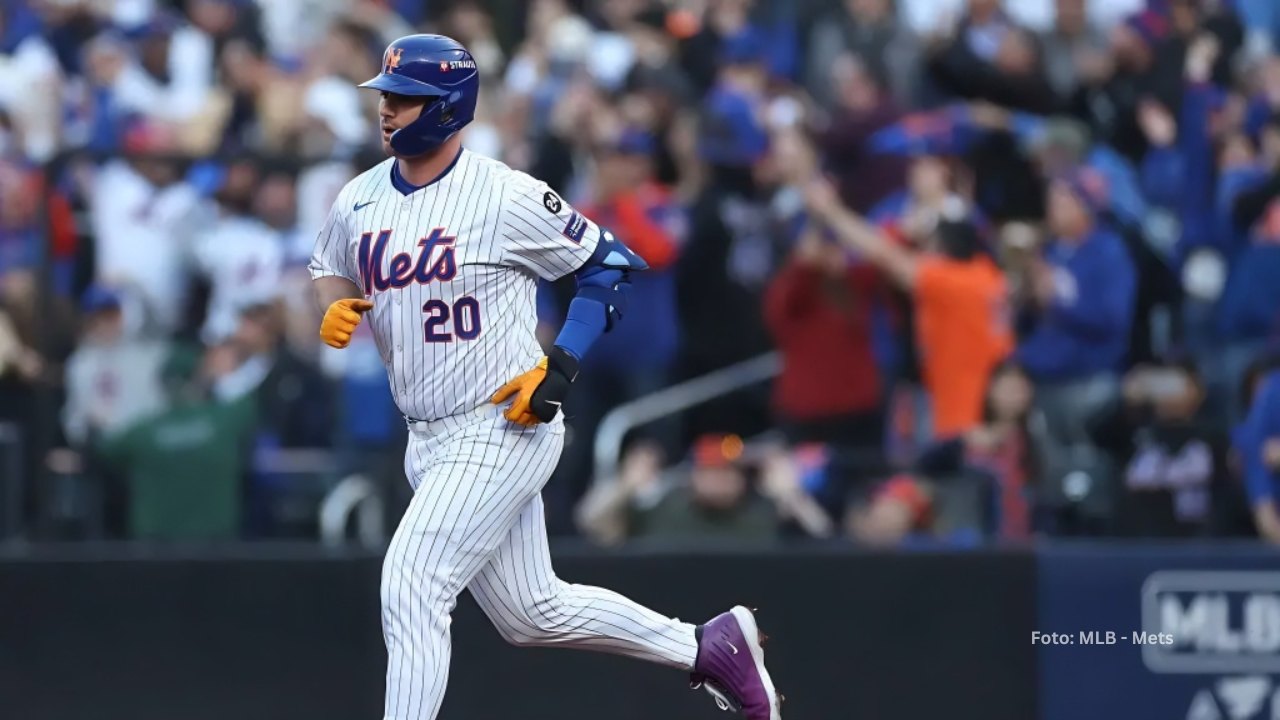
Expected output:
{"points": [[435, 67]]}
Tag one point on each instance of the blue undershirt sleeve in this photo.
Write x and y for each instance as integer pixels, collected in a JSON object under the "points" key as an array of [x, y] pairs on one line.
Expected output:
{"points": [[588, 316]]}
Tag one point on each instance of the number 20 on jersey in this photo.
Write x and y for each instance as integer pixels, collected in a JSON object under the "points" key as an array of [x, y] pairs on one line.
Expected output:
{"points": [[403, 270]]}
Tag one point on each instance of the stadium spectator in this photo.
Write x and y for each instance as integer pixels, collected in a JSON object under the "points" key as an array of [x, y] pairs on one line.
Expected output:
{"points": [[276, 204], [657, 72], [1258, 443], [898, 510], [715, 501], [1078, 300], [860, 109], [31, 84], [542, 74], [22, 365], [983, 27], [1177, 166], [36, 341], [32, 216], [725, 495], [295, 405], [818, 308], [140, 214], [336, 114], [223, 20], [991, 58], [1060, 145], [1070, 46], [293, 410], [169, 75], [739, 240], [184, 467], [112, 383], [237, 255], [935, 177], [869, 33], [705, 39], [112, 379], [960, 302], [1176, 478], [1003, 452], [1262, 24], [1144, 61], [261, 107], [1247, 311]]}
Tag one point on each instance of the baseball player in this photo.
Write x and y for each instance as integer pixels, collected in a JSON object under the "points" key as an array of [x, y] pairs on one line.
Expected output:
{"points": [[440, 250]]}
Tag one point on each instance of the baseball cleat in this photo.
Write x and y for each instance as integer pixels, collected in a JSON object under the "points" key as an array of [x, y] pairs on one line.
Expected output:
{"points": [[730, 666]]}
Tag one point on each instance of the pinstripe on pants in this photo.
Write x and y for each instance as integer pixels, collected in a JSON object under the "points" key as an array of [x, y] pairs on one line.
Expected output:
{"points": [[476, 520]]}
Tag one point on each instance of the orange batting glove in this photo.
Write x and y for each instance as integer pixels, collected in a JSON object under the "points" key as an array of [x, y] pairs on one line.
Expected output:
{"points": [[540, 391], [341, 319], [522, 387]]}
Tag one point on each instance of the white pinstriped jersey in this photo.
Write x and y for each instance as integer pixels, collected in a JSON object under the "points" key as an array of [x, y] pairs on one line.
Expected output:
{"points": [[452, 271]]}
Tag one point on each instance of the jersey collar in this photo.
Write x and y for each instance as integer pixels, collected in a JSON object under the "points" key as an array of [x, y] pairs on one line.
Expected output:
{"points": [[407, 188]]}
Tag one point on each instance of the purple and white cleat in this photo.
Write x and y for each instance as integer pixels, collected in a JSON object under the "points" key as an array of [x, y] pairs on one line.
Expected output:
{"points": [[730, 666]]}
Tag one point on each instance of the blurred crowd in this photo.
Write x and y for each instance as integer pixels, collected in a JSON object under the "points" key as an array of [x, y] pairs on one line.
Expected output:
{"points": [[1020, 261]]}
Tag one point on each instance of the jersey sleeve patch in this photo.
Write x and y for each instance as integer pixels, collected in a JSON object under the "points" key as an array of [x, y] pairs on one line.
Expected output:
{"points": [[576, 227], [552, 202]]}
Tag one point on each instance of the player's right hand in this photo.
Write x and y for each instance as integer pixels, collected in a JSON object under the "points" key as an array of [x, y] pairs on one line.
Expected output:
{"points": [[341, 319]]}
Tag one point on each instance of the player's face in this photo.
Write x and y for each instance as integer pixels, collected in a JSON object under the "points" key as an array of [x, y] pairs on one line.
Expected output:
{"points": [[395, 112]]}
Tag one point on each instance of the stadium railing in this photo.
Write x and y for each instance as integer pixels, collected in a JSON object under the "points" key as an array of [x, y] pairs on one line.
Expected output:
{"points": [[671, 400]]}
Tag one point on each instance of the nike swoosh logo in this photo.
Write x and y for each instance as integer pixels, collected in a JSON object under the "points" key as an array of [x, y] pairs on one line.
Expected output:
{"points": [[553, 402], [360, 206], [731, 647]]}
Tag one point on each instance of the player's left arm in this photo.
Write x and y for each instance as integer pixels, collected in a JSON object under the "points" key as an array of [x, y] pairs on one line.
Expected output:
{"points": [[546, 236], [600, 302]]}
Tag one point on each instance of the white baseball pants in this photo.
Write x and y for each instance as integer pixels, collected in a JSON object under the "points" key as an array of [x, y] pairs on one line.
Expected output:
{"points": [[476, 521]]}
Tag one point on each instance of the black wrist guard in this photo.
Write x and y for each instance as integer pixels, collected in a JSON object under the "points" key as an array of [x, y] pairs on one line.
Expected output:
{"points": [[562, 361], [562, 368]]}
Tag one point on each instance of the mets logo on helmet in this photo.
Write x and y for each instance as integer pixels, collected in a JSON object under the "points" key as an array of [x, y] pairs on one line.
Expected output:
{"points": [[392, 59]]}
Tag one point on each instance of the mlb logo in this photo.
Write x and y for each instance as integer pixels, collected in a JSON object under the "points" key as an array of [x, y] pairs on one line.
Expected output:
{"points": [[1220, 622]]}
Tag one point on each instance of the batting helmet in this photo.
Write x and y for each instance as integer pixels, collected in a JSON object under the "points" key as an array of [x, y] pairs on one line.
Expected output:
{"points": [[436, 67]]}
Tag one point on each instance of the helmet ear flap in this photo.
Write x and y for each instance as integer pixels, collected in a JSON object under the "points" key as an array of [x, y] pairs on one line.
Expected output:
{"points": [[432, 127], [450, 102]]}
